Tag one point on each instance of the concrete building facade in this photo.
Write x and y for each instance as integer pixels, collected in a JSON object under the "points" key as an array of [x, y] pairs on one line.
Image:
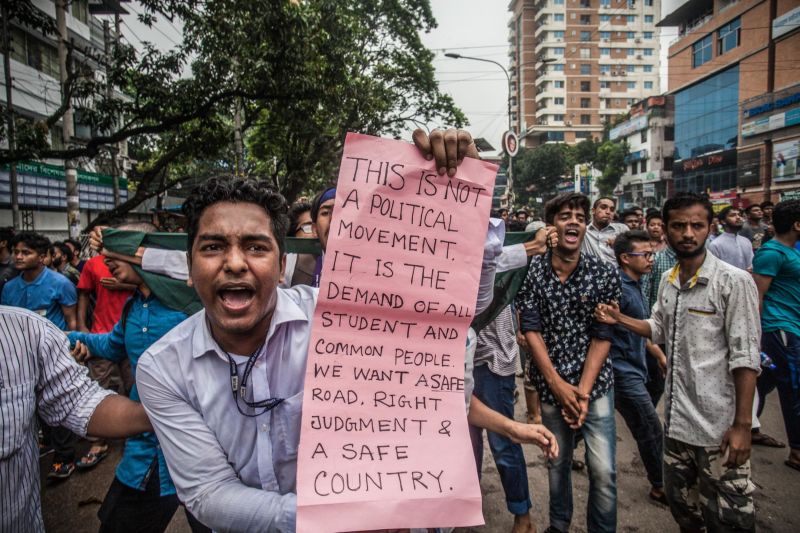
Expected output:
{"points": [[735, 74], [575, 63]]}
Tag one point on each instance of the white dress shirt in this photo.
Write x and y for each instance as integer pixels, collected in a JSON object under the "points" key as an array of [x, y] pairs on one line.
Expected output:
{"points": [[711, 327], [595, 241]]}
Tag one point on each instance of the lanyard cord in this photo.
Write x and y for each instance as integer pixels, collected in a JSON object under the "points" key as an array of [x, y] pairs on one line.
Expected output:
{"points": [[239, 390]]}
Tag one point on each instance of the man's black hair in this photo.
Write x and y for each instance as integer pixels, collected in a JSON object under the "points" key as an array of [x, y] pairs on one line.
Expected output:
{"points": [[684, 200], [6, 234], [239, 190], [628, 213], [785, 214], [316, 203], [751, 207], [767, 204], [725, 212], [296, 209], [651, 210], [610, 198], [74, 243], [572, 199], [35, 241], [623, 244], [652, 215], [65, 250]]}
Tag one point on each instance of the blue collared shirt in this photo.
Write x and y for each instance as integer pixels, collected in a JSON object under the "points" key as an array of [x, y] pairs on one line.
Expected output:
{"points": [[147, 321], [627, 348], [44, 296]]}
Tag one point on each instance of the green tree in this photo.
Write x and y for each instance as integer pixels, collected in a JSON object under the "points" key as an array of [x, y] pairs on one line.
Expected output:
{"points": [[538, 171], [585, 151], [611, 161]]}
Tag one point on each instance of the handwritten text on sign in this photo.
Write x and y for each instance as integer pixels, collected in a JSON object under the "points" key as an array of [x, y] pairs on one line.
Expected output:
{"points": [[384, 440]]}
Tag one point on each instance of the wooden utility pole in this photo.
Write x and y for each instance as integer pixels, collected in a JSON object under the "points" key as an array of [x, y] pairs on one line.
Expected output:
{"points": [[67, 126], [113, 149], [12, 131]]}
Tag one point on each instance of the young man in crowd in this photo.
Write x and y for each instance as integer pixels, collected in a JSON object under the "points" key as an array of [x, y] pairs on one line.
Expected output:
{"points": [[142, 495], [61, 263], [301, 226], [306, 269], [76, 260], [776, 270], [704, 314], [766, 210], [570, 367], [631, 219], [7, 268], [754, 227], [39, 376], [52, 296], [246, 480], [730, 246], [628, 353], [655, 228], [602, 231]]}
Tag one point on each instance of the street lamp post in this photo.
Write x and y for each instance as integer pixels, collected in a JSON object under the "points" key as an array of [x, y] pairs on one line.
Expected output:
{"points": [[510, 185]]}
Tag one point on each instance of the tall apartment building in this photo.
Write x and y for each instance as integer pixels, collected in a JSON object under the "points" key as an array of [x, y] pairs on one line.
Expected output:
{"points": [[36, 94], [575, 63], [735, 74]]}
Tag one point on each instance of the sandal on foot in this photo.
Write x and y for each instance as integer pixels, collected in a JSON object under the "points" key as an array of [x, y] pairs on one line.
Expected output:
{"points": [[661, 498], [762, 439], [90, 459]]}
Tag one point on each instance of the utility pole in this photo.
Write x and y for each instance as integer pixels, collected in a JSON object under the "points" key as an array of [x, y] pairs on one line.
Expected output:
{"points": [[238, 144], [112, 149], [67, 126], [768, 146], [12, 132]]}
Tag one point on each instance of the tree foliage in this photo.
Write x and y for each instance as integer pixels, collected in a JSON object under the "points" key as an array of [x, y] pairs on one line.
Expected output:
{"points": [[538, 171], [302, 74], [611, 161]]}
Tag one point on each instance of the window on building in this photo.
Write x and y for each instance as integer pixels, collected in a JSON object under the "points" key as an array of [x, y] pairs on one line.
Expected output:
{"points": [[558, 17], [605, 51], [648, 52], [586, 103], [558, 2], [648, 19], [631, 52], [605, 18], [648, 68], [648, 85], [668, 163], [558, 34], [648, 35], [583, 134], [631, 84], [630, 68], [605, 35], [586, 3], [586, 53], [557, 136], [37, 54], [605, 3], [643, 165], [586, 20], [586, 69], [631, 101], [558, 68], [558, 84], [648, 3], [558, 100], [558, 117], [631, 19], [586, 86], [669, 133], [701, 51], [728, 36], [586, 119], [643, 136], [558, 51], [605, 69], [631, 4], [605, 84], [631, 35], [80, 10], [634, 167], [586, 36]]}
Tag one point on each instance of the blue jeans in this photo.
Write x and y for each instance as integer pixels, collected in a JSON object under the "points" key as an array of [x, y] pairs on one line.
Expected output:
{"points": [[632, 400], [784, 350], [497, 392], [599, 433]]}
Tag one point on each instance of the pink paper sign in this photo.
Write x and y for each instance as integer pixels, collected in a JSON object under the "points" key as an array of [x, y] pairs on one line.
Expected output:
{"points": [[384, 441]]}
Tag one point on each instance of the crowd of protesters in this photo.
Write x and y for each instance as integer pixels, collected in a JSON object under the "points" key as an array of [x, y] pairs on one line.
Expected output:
{"points": [[681, 319]]}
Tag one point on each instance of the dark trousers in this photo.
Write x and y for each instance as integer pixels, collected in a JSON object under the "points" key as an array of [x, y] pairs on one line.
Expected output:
{"points": [[655, 381], [784, 350], [633, 401], [127, 510], [63, 442], [497, 392]]}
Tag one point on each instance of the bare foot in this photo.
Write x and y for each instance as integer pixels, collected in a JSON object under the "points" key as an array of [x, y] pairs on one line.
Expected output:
{"points": [[523, 524]]}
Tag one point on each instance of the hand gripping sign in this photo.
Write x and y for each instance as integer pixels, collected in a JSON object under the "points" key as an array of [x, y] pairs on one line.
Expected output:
{"points": [[384, 441]]}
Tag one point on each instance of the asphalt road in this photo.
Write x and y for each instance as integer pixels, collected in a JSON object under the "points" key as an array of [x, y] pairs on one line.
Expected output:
{"points": [[71, 506]]}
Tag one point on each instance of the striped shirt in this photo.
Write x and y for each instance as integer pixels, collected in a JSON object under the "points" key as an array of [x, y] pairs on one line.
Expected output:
{"points": [[36, 372], [497, 345]]}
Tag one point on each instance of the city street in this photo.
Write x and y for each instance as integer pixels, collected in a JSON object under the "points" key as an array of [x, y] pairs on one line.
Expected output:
{"points": [[72, 506]]}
